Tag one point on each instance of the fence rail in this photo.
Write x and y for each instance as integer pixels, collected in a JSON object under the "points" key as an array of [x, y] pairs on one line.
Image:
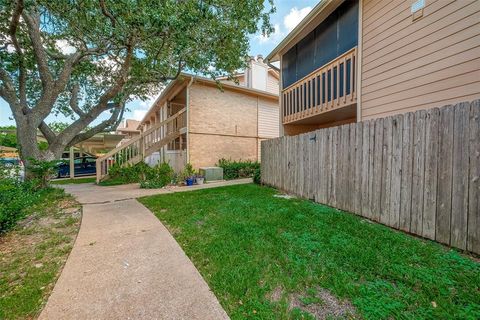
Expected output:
{"points": [[418, 172]]}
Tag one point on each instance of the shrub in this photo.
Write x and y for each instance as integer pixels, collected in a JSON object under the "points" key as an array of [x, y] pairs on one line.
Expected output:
{"points": [[15, 198], [148, 177], [129, 173], [257, 176], [238, 169], [43, 171], [157, 177]]}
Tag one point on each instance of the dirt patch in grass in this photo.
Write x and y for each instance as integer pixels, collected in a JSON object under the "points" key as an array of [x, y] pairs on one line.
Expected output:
{"points": [[321, 305], [33, 254], [275, 295]]}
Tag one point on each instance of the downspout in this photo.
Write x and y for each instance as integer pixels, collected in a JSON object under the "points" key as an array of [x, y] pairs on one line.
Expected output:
{"points": [[188, 119]]}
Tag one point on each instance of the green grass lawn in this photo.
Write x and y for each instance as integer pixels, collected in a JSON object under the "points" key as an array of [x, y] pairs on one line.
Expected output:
{"points": [[32, 255], [74, 181], [269, 258]]}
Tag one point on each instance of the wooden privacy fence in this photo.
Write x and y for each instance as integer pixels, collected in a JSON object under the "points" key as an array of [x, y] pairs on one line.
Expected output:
{"points": [[417, 172]]}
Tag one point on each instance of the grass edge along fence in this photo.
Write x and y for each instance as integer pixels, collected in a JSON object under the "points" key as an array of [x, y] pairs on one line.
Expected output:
{"points": [[417, 172]]}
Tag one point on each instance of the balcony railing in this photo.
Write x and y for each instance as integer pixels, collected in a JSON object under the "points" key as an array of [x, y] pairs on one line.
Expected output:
{"points": [[149, 141], [330, 87]]}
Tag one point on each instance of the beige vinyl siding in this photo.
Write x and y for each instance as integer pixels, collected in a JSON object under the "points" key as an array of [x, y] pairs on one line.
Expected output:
{"points": [[268, 119], [410, 65], [272, 84]]}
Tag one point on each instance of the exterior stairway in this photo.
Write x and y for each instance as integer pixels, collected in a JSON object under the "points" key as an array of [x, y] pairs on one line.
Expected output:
{"points": [[148, 142]]}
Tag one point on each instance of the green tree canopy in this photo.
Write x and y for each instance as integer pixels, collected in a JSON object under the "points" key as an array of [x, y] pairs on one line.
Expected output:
{"points": [[82, 58]]}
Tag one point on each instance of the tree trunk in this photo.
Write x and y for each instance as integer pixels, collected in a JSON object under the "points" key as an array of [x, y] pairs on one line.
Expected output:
{"points": [[27, 145], [29, 149]]}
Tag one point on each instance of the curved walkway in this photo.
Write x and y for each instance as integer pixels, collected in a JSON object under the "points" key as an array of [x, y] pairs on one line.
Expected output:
{"points": [[126, 265]]}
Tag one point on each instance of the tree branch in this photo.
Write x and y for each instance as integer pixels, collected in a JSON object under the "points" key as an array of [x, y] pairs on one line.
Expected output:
{"points": [[12, 31], [106, 125], [7, 92], [107, 13], [33, 27], [47, 132], [74, 100]]}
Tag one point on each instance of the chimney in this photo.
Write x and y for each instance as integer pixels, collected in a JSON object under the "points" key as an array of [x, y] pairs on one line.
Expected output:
{"points": [[257, 73]]}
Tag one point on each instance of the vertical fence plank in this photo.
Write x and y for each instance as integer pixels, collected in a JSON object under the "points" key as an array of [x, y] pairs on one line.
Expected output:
{"points": [[444, 176], [333, 162], [396, 172], [342, 167], [339, 191], [377, 170], [431, 157], [307, 170], [365, 167], [356, 135], [371, 169], [473, 237], [407, 173], [321, 153], [418, 171], [349, 174], [328, 164], [386, 171], [460, 176], [317, 164]]}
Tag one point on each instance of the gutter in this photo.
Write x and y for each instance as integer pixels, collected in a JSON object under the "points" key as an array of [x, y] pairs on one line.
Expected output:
{"points": [[272, 66]]}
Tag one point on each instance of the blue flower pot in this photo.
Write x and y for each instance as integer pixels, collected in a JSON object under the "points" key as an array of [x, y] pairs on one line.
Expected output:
{"points": [[189, 181]]}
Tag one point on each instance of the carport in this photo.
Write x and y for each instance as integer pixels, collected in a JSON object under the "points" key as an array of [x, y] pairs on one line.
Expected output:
{"points": [[96, 145]]}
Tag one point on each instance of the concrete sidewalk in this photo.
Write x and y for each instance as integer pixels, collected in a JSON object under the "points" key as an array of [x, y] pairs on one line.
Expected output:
{"points": [[88, 193], [126, 265]]}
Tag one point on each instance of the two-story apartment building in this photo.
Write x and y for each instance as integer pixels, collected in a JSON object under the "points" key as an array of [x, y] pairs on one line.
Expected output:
{"points": [[353, 60], [214, 123]]}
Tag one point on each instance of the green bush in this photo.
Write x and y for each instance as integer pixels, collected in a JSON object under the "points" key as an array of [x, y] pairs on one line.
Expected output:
{"points": [[43, 171], [15, 198], [157, 177], [257, 176], [238, 169], [148, 177], [128, 173]]}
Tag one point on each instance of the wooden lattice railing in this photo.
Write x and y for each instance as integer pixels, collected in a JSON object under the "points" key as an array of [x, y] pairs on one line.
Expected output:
{"points": [[329, 87], [148, 142]]}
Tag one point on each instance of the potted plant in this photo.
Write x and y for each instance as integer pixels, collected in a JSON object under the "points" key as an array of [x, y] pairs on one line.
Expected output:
{"points": [[189, 174], [199, 178]]}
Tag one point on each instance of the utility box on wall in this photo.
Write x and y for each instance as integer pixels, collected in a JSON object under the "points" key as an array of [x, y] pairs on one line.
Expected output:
{"points": [[211, 173]]}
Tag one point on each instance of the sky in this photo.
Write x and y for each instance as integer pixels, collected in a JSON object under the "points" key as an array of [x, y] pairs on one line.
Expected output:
{"points": [[286, 17]]}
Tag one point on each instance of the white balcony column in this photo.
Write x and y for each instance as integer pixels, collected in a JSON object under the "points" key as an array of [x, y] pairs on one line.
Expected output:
{"points": [[72, 163]]}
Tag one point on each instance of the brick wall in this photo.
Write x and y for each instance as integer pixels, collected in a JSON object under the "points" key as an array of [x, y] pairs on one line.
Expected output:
{"points": [[224, 125], [205, 150], [227, 112]]}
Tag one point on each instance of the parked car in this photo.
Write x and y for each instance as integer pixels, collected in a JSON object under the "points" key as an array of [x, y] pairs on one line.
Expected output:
{"points": [[82, 166], [13, 167]]}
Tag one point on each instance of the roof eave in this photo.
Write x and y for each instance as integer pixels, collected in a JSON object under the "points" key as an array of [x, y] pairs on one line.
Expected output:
{"points": [[275, 54]]}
